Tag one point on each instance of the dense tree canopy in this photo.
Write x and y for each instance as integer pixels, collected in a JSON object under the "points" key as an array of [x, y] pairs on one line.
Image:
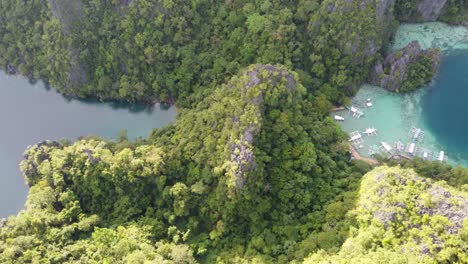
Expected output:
{"points": [[244, 188], [143, 50], [402, 218], [253, 171]]}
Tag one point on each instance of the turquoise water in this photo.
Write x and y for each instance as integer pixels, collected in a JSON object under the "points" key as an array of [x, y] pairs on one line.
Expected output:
{"points": [[438, 109], [446, 108], [30, 113], [432, 35], [394, 116]]}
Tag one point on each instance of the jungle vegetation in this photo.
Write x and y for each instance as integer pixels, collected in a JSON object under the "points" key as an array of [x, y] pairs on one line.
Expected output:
{"points": [[253, 171]]}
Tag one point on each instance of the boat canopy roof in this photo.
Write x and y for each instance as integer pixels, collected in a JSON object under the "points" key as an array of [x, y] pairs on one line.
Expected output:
{"points": [[386, 146]]}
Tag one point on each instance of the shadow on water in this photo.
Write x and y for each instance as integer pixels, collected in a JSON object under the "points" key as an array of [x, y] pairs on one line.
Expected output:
{"points": [[115, 105], [32, 111]]}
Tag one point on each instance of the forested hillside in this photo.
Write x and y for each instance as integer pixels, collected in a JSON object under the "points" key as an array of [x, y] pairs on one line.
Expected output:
{"points": [[254, 170], [234, 178], [399, 212], [148, 49]]}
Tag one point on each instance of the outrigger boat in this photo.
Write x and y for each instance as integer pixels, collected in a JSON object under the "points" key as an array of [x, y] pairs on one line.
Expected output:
{"points": [[339, 118]]}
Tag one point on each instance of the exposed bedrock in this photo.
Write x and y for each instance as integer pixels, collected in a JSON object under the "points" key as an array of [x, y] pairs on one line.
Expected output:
{"points": [[242, 156], [431, 10], [69, 13], [392, 72]]}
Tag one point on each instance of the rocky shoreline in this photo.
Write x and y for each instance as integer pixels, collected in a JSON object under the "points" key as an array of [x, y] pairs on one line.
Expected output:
{"points": [[393, 71]]}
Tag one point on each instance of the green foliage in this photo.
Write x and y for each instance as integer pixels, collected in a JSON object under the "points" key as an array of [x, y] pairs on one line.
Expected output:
{"points": [[253, 172], [402, 218], [407, 10], [456, 12], [419, 73], [246, 187], [454, 176], [151, 49]]}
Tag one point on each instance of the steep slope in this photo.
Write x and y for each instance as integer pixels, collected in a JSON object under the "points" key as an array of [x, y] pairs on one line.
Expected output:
{"points": [[407, 69], [237, 176], [256, 143], [145, 50], [403, 218], [451, 11]]}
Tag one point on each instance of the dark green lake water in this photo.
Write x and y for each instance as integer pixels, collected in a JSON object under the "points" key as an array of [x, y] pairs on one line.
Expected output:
{"points": [[30, 113], [445, 105]]}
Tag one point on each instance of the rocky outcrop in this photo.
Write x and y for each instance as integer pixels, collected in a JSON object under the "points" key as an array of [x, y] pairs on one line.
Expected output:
{"points": [[404, 218], [67, 12], [242, 157], [453, 207], [77, 76], [431, 10], [125, 2], [274, 75], [439, 201], [392, 72], [379, 20], [419, 11], [29, 166], [384, 10]]}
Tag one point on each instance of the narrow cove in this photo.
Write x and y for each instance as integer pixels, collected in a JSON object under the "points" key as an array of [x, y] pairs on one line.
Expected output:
{"points": [[30, 113], [440, 109]]}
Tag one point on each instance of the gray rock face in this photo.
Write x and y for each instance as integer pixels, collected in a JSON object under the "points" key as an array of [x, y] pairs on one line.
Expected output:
{"points": [[244, 159], [371, 44], [431, 10], [383, 10], [77, 76], [401, 195], [241, 150], [455, 208], [125, 2], [391, 73], [69, 14], [275, 75]]}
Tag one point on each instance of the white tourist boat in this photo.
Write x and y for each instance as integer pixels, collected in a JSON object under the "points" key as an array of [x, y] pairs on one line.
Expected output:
{"points": [[386, 147], [356, 112], [441, 157], [417, 134], [411, 148], [371, 131], [339, 118], [356, 138], [399, 146]]}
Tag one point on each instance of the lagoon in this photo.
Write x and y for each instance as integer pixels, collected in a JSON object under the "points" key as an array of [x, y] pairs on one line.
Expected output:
{"points": [[445, 106], [30, 113], [440, 109]]}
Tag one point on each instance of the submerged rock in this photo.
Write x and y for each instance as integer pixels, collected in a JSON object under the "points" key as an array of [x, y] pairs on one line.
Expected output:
{"points": [[394, 72]]}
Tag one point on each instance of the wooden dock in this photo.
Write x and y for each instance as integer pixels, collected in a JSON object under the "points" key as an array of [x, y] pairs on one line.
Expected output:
{"points": [[337, 109], [355, 154]]}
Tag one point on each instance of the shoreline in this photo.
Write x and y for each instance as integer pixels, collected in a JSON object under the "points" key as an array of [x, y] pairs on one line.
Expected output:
{"points": [[356, 156], [150, 102], [337, 109]]}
